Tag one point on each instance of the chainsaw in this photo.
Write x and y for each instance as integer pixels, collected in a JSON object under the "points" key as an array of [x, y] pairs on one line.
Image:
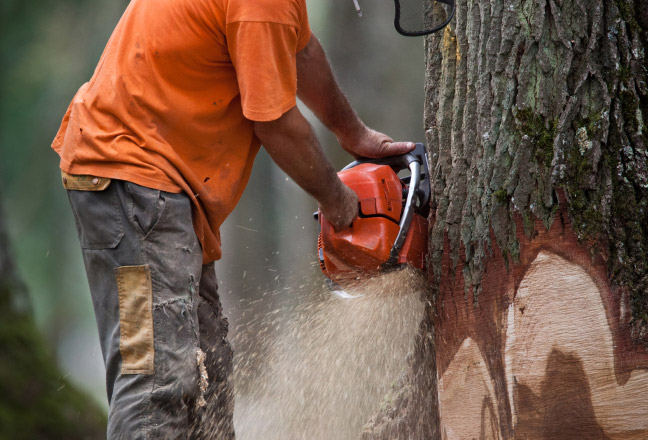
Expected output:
{"points": [[391, 229]]}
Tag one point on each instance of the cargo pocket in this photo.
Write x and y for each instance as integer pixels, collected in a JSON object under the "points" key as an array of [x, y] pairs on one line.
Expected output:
{"points": [[145, 207], [136, 343], [96, 209]]}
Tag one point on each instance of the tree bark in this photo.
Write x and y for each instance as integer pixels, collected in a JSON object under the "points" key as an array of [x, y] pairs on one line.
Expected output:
{"points": [[36, 401], [536, 123]]}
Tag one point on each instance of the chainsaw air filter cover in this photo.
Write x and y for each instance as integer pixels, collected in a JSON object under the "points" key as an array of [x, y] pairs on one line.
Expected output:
{"points": [[392, 225]]}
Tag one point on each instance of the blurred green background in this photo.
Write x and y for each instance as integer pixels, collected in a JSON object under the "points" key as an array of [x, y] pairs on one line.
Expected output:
{"points": [[49, 48]]}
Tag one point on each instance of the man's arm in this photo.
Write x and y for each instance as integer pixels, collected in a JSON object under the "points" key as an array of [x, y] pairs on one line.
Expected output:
{"points": [[318, 89], [292, 145]]}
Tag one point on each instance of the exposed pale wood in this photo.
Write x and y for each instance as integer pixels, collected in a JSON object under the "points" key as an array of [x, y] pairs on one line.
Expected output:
{"points": [[554, 340], [466, 397], [561, 354], [559, 363]]}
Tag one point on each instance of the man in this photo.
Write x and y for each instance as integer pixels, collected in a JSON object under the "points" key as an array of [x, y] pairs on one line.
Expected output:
{"points": [[155, 151]]}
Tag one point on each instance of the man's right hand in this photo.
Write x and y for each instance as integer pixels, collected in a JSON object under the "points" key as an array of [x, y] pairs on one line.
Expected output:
{"points": [[292, 144], [343, 209]]}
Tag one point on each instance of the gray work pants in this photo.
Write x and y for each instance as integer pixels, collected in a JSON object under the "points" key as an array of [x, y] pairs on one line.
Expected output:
{"points": [[162, 331]]}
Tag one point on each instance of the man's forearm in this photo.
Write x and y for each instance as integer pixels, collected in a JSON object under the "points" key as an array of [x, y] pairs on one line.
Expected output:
{"points": [[293, 146]]}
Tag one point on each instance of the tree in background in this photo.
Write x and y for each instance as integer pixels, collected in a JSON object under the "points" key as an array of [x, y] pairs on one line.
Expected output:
{"points": [[536, 122], [36, 401], [47, 50]]}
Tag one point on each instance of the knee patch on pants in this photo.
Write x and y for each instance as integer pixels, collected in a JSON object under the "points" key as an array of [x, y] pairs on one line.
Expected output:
{"points": [[136, 343]]}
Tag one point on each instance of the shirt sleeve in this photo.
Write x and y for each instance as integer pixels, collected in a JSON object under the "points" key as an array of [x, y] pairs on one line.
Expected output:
{"points": [[264, 56], [304, 34]]}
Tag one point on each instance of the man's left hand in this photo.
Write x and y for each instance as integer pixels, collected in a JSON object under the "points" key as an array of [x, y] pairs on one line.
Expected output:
{"points": [[373, 144], [321, 93]]}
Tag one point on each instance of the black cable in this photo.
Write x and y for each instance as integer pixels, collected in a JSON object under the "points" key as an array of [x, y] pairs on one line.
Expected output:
{"points": [[421, 30]]}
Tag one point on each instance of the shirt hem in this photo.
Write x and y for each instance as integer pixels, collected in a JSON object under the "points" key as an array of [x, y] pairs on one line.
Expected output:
{"points": [[303, 44], [271, 115]]}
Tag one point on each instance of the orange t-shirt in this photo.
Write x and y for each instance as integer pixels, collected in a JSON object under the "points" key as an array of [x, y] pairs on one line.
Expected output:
{"points": [[171, 103]]}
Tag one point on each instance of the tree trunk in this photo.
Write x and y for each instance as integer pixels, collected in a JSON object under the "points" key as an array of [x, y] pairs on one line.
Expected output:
{"points": [[536, 122], [36, 401]]}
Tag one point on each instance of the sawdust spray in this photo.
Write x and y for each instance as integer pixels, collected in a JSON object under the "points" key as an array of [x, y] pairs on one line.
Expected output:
{"points": [[319, 370]]}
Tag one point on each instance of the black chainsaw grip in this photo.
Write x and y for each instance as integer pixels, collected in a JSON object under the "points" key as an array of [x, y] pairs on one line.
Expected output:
{"points": [[397, 163]]}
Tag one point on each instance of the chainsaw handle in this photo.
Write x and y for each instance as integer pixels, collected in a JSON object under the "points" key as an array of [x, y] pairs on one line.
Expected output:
{"points": [[397, 163], [408, 214]]}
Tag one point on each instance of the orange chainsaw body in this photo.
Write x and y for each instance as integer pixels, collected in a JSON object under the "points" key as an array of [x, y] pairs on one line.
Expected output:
{"points": [[365, 246]]}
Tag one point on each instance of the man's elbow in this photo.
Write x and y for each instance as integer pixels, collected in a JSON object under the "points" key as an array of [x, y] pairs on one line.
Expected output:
{"points": [[288, 123]]}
